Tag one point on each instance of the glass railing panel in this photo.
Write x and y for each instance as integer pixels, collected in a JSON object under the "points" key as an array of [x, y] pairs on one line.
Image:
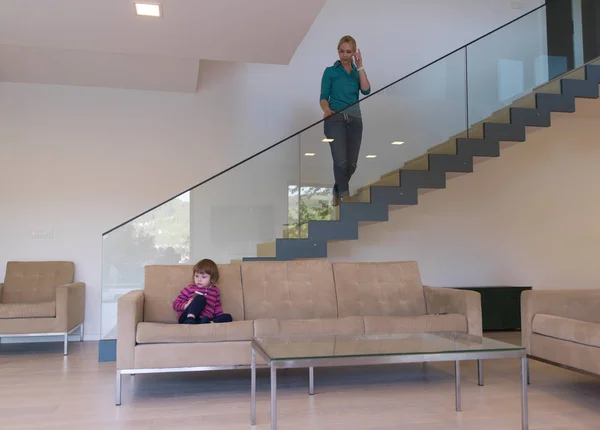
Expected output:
{"points": [[505, 66], [399, 124], [236, 215], [240, 213], [161, 236]]}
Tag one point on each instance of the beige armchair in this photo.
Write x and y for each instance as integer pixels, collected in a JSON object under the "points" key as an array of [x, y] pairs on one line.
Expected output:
{"points": [[562, 327], [41, 299]]}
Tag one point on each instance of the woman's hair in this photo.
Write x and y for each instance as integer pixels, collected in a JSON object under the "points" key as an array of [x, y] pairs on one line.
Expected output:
{"points": [[208, 267], [348, 39]]}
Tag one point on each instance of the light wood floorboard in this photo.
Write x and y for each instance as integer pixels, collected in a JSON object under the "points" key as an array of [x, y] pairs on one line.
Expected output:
{"points": [[41, 389]]}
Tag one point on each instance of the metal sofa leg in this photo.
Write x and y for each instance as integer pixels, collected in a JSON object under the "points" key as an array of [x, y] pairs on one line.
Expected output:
{"points": [[66, 342], [81, 333], [118, 388]]}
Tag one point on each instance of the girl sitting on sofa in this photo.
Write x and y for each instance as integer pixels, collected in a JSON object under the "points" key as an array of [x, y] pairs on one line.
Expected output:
{"points": [[200, 303]]}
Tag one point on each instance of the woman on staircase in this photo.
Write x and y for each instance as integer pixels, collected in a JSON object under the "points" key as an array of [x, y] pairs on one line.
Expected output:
{"points": [[343, 126]]}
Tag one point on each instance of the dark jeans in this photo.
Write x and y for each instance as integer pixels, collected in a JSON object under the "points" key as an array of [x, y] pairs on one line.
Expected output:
{"points": [[196, 307], [346, 132]]}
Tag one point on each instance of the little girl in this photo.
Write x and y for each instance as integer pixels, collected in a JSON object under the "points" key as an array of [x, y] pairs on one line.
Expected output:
{"points": [[199, 303]]}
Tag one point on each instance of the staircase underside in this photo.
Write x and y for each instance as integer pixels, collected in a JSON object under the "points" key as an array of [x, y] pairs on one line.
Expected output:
{"points": [[429, 172]]}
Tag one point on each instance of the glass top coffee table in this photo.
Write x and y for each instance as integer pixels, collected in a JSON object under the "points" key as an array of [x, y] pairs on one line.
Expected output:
{"points": [[310, 351]]}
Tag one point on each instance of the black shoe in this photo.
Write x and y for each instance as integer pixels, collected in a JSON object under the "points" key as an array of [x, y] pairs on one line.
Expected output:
{"points": [[190, 320], [205, 320]]}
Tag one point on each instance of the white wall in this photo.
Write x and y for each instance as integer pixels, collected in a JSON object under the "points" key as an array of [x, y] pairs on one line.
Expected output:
{"points": [[79, 161], [529, 217]]}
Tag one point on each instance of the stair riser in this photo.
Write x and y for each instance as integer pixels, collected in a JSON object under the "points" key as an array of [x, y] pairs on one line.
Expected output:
{"points": [[422, 179], [530, 117], [504, 132], [357, 212], [555, 103], [450, 163], [393, 196], [592, 73], [577, 88], [333, 230], [291, 249], [478, 147]]}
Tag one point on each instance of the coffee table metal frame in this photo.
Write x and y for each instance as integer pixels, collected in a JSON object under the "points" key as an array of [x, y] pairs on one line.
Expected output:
{"points": [[311, 363]]}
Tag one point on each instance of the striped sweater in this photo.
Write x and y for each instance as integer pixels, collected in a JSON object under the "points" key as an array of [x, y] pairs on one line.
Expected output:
{"points": [[213, 300]]}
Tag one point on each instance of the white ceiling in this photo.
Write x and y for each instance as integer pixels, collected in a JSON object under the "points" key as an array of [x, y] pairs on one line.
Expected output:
{"points": [[103, 43]]}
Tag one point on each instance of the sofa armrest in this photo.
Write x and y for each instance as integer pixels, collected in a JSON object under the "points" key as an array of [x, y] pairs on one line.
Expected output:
{"points": [[130, 312], [582, 305], [70, 306], [1, 288], [452, 301]]}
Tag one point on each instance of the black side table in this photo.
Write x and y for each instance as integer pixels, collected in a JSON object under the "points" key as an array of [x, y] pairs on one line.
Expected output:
{"points": [[500, 306]]}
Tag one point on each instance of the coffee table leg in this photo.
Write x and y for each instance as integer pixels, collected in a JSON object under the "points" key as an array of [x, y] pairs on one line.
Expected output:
{"points": [[311, 380], [253, 389], [480, 372], [273, 398], [457, 384], [524, 406]]}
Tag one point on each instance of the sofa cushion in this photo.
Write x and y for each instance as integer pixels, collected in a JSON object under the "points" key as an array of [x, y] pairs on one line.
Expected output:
{"points": [[379, 289], [416, 324], [28, 310], [585, 333], [163, 283], [301, 289], [182, 333], [275, 327], [29, 326], [35, 281], [200, 354]]}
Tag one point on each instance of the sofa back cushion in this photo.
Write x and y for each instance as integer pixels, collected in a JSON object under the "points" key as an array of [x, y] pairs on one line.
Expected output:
{"points": [[163, 283], [302, 289], [35, 281], [379, 289]]}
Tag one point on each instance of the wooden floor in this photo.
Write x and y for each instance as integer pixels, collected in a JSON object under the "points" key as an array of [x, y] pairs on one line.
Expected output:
{"points": [[41, 389]]}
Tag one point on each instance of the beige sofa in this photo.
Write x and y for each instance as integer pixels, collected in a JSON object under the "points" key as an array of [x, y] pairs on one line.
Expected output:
{"points": [[281, 298], [562, 327], [39, 298]]}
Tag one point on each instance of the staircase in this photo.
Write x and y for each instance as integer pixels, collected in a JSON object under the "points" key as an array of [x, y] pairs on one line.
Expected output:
{"points": [[457, 156]]}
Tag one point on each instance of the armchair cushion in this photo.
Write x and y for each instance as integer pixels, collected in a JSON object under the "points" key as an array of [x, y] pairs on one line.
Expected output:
{"points": [[28, 310], [585, 333], [35, 281]]}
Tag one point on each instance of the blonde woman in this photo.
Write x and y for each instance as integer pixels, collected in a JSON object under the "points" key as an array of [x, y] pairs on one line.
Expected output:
{"points": [[340, 87]]}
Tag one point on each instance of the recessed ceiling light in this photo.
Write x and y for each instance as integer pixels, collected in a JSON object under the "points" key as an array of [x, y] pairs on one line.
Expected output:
{"points": [[397, 143], [147, 9], [327, 140], [371, 156], [309, 154]]}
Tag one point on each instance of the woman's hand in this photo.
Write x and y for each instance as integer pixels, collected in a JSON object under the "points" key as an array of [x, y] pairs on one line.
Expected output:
{"points": [[327, 112], [358, 59]]}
